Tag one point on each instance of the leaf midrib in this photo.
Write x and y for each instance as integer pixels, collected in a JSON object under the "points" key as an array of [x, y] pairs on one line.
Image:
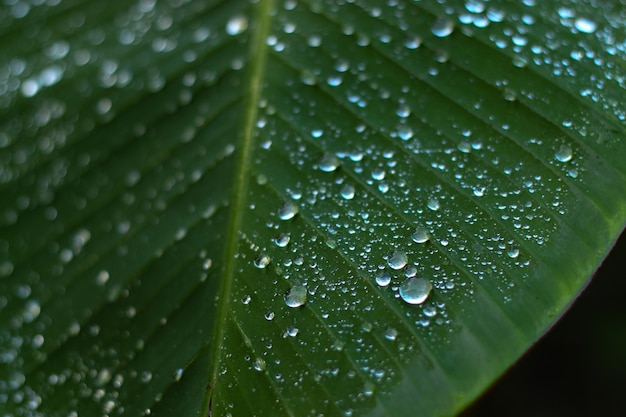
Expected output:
{"points": [[261, 18]]}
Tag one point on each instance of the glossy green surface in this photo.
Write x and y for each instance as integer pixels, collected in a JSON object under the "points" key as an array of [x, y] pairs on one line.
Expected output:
{"points": [[215, 204]]}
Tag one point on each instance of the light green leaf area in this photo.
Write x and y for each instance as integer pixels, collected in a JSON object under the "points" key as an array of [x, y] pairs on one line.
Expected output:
{"points": [[297, 207]]}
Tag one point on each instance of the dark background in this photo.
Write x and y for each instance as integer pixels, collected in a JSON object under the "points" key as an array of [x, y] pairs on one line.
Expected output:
{"points": [[579, 367]]}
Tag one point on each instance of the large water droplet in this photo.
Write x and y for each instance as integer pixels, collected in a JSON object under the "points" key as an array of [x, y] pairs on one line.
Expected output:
{"points": [[420, 235], [397, 260], [563, 154], [287, 211], [442, 27], [415, 290], [296, 296]]}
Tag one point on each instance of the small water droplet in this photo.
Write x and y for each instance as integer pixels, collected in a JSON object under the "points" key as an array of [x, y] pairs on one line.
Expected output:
{"points": [[433, 204], [262, 261], [236, 25], [259, 364], [102, 277], [405, 132], [282, 240], [329, 163], [296, 296], [146, 376], [31, 311], [397, 260], [442, 27], [347, 192], [563, 154], [287, 211], [178, 374], [292, 331], [269, 316], [513, 252], [420, 235], [391, 333], [383, 279], [415, 290]]}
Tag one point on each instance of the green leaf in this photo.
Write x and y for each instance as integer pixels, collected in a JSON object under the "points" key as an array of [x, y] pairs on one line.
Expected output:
{"points": [[297, 207]]}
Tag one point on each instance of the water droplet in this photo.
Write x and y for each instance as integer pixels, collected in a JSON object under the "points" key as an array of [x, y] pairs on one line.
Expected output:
{"points": [[391, 333], [403, 111], [269, 316], [420, 235], [31, 311], [282, 240], [287, 211], [178, 374], [259, 364], [383, 279], [415, 290], [296, 296], [292, 332], [102, 277], [262, 261], [585, 25], [563, 154], [338, 345], [433, 204], [236, 25], [329, 162], [347, 191], [412, 42], [405, 132], [442, 27], [513, 252], [397, 260], [146, 376]]}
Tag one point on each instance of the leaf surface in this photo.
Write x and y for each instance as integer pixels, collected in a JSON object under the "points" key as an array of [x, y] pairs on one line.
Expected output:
{"points": [[240, 207]]}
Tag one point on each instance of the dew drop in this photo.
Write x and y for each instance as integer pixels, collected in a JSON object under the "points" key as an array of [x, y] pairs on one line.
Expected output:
{"points": [[282, 240], [287, 211], [563, 154], [391, 333], [347, 192], [405, 132], [415, 290], [259, 364], [412, 42], [383, 279], [420, 235], [296, 296], [102, 277], [31, 311], [329, 163], [178, 374], [236, 25], [262, 261], [397, 260], [585, 25], [513, 252], [442, 27], [433, 204]]}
